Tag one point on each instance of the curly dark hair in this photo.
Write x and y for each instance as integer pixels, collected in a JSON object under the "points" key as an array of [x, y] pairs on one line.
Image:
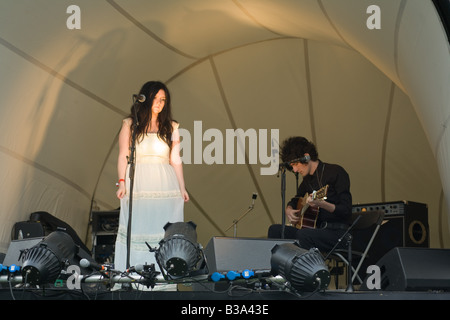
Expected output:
{"points": [[144, 112], [296, 147]]}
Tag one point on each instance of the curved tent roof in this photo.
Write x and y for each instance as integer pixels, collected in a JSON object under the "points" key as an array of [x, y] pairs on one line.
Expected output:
{"points": [[369, 85]]}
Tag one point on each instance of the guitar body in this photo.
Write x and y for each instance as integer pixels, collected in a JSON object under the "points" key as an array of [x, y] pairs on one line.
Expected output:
{"points": [[308, 216]]}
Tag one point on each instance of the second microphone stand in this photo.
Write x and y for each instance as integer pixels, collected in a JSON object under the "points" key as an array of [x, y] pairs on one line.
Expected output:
{"points": [[235, 222]]}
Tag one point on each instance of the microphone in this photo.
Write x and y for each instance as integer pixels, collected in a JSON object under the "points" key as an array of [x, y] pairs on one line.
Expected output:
{"points": [[255, 195], [286, 165], [138, 268], [85, 263], [139, 97]]}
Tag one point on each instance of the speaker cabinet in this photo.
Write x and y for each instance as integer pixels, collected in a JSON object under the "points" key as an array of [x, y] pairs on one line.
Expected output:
{"points": [[237, 254], [26, 230], [415, 269], [104, 232]]}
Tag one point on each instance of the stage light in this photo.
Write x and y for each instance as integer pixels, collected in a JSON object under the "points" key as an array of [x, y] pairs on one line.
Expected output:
{"points": [[44, 262], [179, 253], [305, 270]]}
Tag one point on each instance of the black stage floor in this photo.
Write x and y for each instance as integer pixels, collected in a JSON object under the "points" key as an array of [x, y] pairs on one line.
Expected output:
{"points": [[265, 304], [237, 294]]}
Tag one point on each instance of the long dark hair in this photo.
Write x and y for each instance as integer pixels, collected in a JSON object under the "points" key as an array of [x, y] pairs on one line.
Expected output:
{"points": [[144, 112]]}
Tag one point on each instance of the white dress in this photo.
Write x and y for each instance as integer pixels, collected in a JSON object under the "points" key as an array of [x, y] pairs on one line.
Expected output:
{"points": [[157, 200]]}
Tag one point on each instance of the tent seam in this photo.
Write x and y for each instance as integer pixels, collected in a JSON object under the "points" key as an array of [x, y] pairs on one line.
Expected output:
{"points": [[233, 123], [44, 169], [134, 21]]}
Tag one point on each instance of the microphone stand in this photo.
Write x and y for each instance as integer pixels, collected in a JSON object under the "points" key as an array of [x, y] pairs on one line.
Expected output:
{"points": [[235, 222], [132, 165], [282, 168]]}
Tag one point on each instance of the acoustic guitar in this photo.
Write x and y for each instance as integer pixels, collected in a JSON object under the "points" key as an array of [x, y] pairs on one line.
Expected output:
{"points": [[307, 214]]}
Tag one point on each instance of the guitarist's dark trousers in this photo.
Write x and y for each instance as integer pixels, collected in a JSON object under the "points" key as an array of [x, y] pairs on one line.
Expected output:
{"points": [[323, 238]]}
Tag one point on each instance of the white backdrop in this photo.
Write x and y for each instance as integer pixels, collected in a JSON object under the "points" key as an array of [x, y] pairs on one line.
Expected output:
{"points": [[373, 100]]}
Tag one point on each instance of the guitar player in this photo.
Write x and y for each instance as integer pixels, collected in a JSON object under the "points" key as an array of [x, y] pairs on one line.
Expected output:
{"points": [[320, 212]]}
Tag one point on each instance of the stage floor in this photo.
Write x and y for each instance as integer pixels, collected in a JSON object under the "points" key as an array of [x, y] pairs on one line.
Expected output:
{"points": [[236, 294], [239, 302]]}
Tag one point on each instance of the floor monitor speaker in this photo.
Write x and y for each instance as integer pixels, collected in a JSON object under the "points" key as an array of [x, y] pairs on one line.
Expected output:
{"points": [[414, 269], [238, 254]]}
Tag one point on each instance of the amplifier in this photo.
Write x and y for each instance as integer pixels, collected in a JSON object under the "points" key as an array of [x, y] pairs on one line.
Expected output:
{"points": [[405, 225], [104, 231], [393, 208]]}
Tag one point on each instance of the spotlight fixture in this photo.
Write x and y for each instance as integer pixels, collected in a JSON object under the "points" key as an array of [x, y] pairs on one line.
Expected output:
{"points": [[44, 262], [179, 253], [304, 269]]}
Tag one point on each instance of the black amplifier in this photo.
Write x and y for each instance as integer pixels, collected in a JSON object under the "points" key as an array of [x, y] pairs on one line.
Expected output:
{"points": [[405, 225], [394, 208]]}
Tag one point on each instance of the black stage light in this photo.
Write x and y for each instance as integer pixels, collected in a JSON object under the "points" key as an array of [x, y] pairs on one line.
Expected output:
{"points": [[304, 269], [44, 262], [179, 253]]}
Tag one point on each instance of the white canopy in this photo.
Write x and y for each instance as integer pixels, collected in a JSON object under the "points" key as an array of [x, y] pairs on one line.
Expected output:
{"points": [[368, 84]]}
